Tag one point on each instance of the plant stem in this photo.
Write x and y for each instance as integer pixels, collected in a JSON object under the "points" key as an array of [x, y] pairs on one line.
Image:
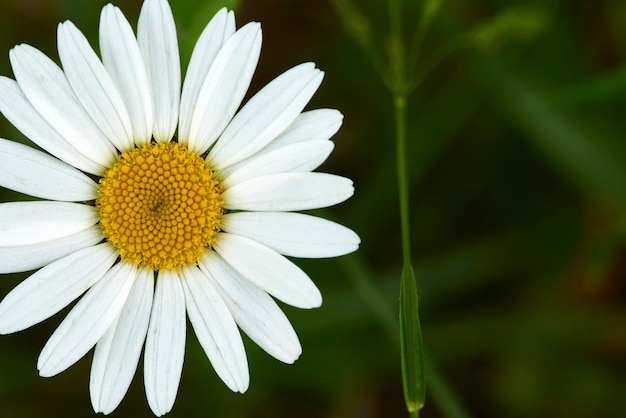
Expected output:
{"points": [[399, 92], [403, 187], [382, 310], [400, 82], [411, 349]]}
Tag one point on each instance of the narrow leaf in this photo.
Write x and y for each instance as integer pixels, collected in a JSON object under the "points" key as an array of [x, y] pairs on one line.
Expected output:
{"points": [[411, 350]]}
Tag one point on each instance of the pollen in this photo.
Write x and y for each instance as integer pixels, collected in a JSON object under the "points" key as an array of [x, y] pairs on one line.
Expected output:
{"points": [[160, 206]]}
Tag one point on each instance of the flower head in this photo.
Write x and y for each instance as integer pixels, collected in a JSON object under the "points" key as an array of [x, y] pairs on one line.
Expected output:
{"points": [[161, 202]]}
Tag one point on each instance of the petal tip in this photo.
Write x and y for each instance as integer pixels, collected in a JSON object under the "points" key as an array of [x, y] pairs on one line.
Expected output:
{"points": [[252, 27], [44, 369], [315, 301], [291, 357]]}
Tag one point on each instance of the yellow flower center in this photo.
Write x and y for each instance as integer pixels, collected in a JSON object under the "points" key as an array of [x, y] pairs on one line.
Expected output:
{"points": [[160, 206]]}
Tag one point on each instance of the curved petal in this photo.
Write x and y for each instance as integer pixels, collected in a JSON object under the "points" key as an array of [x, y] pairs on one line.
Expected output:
{"points": [[269, 270], [37, 174], [288, 191], [25, 223], [30, 257], [224, 87], [93, 86], [122, 59], [266, 115], [216, 33], [216, 329], [299, 157], [156, 34], [293, 234], [47, 89], [313, 125], [87, 321], [165, 343], [117, 352], [52, 288], [18, 110], [254, 310]]}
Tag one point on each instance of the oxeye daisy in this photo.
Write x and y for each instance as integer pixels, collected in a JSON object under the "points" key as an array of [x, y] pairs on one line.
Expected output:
{"points": [[159, 203]]}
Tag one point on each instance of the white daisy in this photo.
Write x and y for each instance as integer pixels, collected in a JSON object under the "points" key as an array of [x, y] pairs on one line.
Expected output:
{"points": [[158, 203]]}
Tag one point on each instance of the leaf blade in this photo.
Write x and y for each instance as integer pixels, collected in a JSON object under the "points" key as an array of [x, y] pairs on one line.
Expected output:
{"points": [[411, 347]]}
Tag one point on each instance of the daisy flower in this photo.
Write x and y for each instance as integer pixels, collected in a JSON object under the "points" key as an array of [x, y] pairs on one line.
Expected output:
{"points": [[159, 203]]}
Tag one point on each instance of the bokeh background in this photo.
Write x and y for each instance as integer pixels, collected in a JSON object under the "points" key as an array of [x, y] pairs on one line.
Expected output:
{"points": [[517, 156]]}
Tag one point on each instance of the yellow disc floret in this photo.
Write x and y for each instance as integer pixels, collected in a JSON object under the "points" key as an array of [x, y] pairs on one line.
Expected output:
{"points": [[160, 206]]}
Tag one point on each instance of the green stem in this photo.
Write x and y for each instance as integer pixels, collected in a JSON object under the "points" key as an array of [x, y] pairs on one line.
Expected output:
{"points": [[399, 92], [403, 175], [382, 310], [395, 19], [411, 350], [400, 85], [410, 329], [397, 77]]}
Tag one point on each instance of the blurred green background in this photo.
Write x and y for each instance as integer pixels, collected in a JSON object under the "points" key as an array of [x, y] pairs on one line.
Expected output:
{"points": [[518, 196]]}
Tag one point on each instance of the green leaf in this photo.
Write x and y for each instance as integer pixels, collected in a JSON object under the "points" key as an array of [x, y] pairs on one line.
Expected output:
{"points": [[411, 349]]}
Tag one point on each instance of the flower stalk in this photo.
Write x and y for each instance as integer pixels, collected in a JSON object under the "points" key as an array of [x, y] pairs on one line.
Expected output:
{"points": [[411, 348], [410, 329]]}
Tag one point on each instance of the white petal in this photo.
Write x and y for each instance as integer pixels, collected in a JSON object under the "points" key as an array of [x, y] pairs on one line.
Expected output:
{"points": [[216, 33], [122, 59], [38, 174], [30, 257], [93, 86], [224, 87], [53, 287], [87, 321], [313, 125], [269, 270], [165, 343], [117, 353], [299, 157], [266, 115], [216, 329], [254, 310], [156, 34], [24, 223], [18, 110], [47, 89], [293, 234], [288, 191]]}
